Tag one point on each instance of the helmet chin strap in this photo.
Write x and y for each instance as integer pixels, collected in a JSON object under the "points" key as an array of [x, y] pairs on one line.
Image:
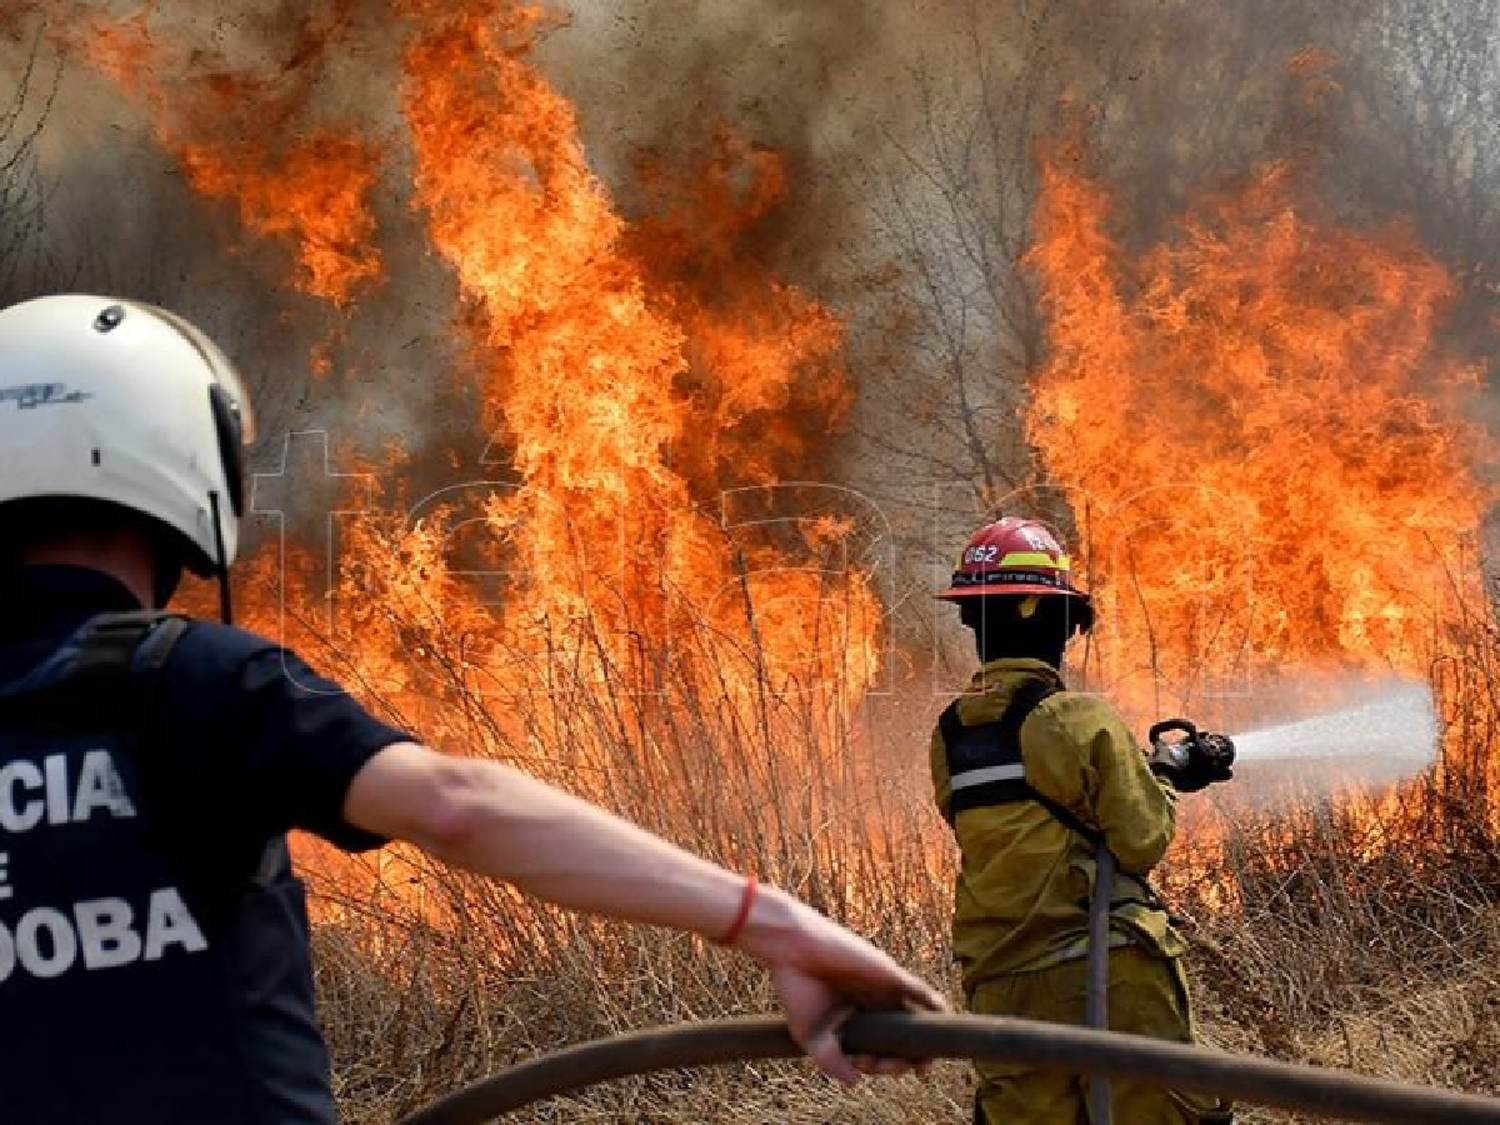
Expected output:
{"points": [[221, 568], [168, 577]]}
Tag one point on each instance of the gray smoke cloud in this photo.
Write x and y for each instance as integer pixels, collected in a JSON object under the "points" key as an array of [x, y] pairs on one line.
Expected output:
{"points": [[114, 214], [910, 130]]}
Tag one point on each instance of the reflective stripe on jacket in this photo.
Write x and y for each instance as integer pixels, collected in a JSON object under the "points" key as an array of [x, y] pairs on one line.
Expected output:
{"points": [[1021, 900]]}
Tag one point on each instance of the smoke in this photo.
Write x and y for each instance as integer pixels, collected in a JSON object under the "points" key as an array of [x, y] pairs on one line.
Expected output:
{"points": [[909, 132], [654, 76], [124, 156]]}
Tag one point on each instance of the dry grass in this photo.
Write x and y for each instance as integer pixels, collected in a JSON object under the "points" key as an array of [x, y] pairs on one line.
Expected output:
{"points": [[432, 978], [1363, 934], [1356, 936]]}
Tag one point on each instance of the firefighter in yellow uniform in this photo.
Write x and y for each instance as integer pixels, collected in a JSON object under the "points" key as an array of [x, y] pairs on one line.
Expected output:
{"points": [[1031, 777]]}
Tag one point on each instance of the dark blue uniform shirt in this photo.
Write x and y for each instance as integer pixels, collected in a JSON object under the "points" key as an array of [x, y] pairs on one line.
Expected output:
{"points": [[154, 962]]}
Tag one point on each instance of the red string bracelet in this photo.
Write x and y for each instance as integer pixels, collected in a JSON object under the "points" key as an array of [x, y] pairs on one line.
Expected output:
{"points": [[747, 900]]}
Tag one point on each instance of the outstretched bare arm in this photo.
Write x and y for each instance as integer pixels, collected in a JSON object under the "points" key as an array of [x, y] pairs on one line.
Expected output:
{"points": [[489, 818]]}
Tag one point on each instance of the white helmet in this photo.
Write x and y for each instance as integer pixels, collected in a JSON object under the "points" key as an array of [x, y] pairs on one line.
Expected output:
{"points": [[124, 402]]}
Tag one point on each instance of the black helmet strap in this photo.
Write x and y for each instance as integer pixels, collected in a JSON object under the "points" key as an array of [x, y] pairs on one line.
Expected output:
{"points": [[221, 568]]}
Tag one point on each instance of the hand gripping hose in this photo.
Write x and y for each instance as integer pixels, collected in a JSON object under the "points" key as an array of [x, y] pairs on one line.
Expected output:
{"points": [[1245, 1078]]}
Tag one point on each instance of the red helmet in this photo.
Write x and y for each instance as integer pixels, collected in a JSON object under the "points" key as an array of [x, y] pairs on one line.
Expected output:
{"points": [[1012, 556]]}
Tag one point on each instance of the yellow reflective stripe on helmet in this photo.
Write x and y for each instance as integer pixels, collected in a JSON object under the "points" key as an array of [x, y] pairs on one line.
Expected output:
{"points": [[1035, 558]]}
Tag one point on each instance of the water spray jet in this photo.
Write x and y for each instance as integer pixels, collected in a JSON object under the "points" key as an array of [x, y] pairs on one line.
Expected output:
{"points": [[1387, 735]]}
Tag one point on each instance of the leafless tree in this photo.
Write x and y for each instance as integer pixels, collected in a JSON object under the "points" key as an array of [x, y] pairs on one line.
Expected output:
{"points": [[1386, 111], [22, 195], [1425, 98], [952, 200]]}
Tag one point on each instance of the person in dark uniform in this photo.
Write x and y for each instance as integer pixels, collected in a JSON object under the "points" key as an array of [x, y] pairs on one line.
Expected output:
{"points": [[154, 953]]}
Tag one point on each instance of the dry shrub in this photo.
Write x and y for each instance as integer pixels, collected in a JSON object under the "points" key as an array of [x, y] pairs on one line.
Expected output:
{"points": [[1354, 933], [1362, 932], [432, 978]]}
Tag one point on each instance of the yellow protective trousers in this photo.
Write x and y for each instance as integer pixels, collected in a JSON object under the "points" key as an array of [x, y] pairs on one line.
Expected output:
{"points": [[1147, 996]]}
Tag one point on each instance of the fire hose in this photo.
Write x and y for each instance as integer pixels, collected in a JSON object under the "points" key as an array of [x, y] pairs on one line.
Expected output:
{"points": [[1055, 1047], [1096, 1012], [1091, 1050]]}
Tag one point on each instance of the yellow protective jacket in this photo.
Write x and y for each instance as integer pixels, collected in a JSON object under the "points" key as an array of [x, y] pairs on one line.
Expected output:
{"points": [[1023, 888]]}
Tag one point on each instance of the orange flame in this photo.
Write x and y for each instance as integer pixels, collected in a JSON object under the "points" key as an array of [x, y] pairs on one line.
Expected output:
{"points": [[633, 373], [632, 377], [232, 134], [1270, 458]]}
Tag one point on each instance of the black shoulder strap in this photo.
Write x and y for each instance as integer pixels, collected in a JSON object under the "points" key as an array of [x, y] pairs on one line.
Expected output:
{"points": [[1092, 835], [990, 753], [126, 644], [110, 682], [985, 765], [1027, 698], [105, 682]]}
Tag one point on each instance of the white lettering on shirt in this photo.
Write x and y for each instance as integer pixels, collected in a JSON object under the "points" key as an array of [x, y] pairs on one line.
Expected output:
{"points": [[57, 788], [101, 933], [105, 934], [17, 814], [168, 923], [100, 787], [45, 942], [28, 791]]}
